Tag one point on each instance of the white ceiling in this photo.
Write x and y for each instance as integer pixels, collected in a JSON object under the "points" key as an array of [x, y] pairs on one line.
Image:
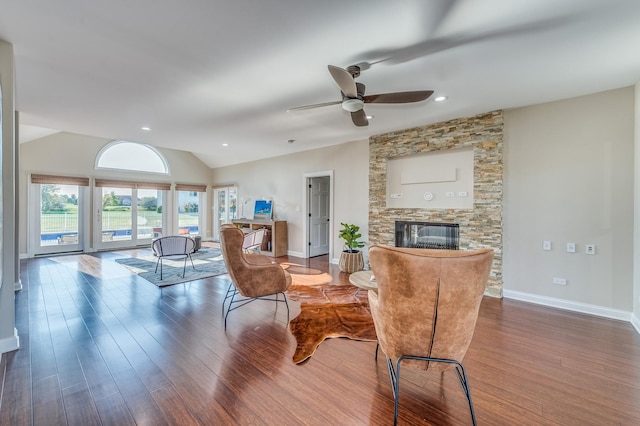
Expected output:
{"points": [[201, 73]]}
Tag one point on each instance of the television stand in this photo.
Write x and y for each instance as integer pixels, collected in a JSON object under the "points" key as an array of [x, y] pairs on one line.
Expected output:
{"points": [[277, 229]]}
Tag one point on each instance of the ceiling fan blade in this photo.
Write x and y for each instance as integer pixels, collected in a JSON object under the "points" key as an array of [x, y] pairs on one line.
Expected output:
{"points": [[300, 108], [345, 81], [398, 97], [438, 13], [359, 118]]}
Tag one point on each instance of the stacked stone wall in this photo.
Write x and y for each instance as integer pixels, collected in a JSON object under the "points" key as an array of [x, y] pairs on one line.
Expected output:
{"points": [[480, 226]]}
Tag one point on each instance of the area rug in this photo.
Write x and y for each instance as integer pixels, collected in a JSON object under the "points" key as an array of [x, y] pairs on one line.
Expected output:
{"points": [[328, 311], [208, 263]]}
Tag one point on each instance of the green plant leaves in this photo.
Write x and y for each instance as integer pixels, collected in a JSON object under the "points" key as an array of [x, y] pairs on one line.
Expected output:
{"points": [[349, 233]]}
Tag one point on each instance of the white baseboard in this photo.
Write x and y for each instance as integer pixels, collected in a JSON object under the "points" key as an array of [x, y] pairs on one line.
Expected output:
{"points": [[17, 286], [635, 322], [295, 253], [568, 305], [335, 261], [10, 343]]}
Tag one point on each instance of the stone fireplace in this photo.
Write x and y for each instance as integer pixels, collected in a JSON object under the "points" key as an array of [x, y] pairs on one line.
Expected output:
{"points": [[479, 226]]}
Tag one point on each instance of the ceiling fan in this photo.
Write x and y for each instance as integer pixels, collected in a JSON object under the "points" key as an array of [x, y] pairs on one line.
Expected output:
{"points": [[353, 97]]}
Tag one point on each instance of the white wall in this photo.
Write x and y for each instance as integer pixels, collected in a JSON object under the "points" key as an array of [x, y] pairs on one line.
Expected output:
{"points": [[569, 178], [70, 154], [282, 178], [636, 231], [9, 339]]}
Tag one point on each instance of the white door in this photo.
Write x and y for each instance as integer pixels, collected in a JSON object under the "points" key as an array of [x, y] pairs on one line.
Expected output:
{"points": [[127, 217], [319, 219], [59, 225], [225, 208]]}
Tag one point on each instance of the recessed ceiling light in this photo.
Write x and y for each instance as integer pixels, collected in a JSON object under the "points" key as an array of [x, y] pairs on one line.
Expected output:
{"points": [[225, 144], [440, 99], [145, 128], [369, 117]]}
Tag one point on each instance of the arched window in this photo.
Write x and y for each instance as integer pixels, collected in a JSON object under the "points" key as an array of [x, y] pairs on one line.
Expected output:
{"points": [[123, 155]]}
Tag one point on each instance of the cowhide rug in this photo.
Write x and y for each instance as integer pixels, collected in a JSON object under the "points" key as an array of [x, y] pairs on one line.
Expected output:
{"points": [[327, 311]]}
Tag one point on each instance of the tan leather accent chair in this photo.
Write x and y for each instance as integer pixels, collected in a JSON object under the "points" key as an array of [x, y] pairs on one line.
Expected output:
{"points": [[426, 308], [254, 276]]}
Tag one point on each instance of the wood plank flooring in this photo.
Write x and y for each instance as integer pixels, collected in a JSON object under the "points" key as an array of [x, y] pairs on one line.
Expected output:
{"points": [[102, 346]]}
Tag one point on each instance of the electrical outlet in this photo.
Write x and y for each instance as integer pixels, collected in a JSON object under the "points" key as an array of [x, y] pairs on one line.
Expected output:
{"points": [[396, 195], [571, 247], [546, 245], [449, 194], [559, 281], [463, 194], [590, 249]]}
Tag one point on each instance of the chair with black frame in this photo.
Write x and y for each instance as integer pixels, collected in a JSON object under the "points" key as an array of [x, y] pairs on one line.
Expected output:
{"points": [[426, 307], [173, 246], [255, 276]]}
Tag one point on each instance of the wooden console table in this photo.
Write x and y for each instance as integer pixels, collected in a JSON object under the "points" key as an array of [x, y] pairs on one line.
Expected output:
{"points": [[278, 228]]}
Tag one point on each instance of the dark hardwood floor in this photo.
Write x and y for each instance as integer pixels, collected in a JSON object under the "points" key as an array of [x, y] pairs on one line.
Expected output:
{"points": [[102, 346]]}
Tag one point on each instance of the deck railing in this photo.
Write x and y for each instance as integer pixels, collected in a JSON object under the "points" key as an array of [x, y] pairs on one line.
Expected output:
{"points": [[54, 225]]}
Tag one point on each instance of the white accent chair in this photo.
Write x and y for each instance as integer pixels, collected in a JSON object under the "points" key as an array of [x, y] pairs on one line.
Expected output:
{"points": [[253, 240], [174, 246]]}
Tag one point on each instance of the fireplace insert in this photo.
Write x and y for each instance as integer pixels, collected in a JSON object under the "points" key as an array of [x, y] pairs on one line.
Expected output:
{"points": [[428, 235]]}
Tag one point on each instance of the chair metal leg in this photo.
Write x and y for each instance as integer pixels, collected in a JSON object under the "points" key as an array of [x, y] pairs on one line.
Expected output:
{"points": [[229, 309], [184, 267], [287, 305], [246, 300], [394, 376], [462, 376], [156, 271], [231, 289]]}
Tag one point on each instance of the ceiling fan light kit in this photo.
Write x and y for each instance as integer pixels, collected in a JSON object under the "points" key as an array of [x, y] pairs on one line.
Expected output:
{"points": [[352, 105], [353, 98]]}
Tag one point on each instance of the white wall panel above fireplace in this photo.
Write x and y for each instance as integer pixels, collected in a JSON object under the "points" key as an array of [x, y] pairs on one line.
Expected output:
{"points": [[427, 180]]}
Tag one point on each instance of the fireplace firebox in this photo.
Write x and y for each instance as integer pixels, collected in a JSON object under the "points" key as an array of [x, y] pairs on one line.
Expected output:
{"points": [[428, 235]]}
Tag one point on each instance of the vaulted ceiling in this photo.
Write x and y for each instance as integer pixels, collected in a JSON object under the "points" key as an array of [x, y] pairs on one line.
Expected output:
{"points": [[204, 73]]}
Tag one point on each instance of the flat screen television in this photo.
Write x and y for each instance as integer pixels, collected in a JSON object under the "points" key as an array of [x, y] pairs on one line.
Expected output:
{"points": [[263, 210]]}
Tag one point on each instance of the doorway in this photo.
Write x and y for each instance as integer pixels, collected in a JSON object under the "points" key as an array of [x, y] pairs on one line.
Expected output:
{"points": [[225, 208], [127, 215], [59, 222], [319, 207]]}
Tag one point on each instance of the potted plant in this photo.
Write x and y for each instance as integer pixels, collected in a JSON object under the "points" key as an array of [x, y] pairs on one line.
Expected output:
{"points": [[351, 259]]}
